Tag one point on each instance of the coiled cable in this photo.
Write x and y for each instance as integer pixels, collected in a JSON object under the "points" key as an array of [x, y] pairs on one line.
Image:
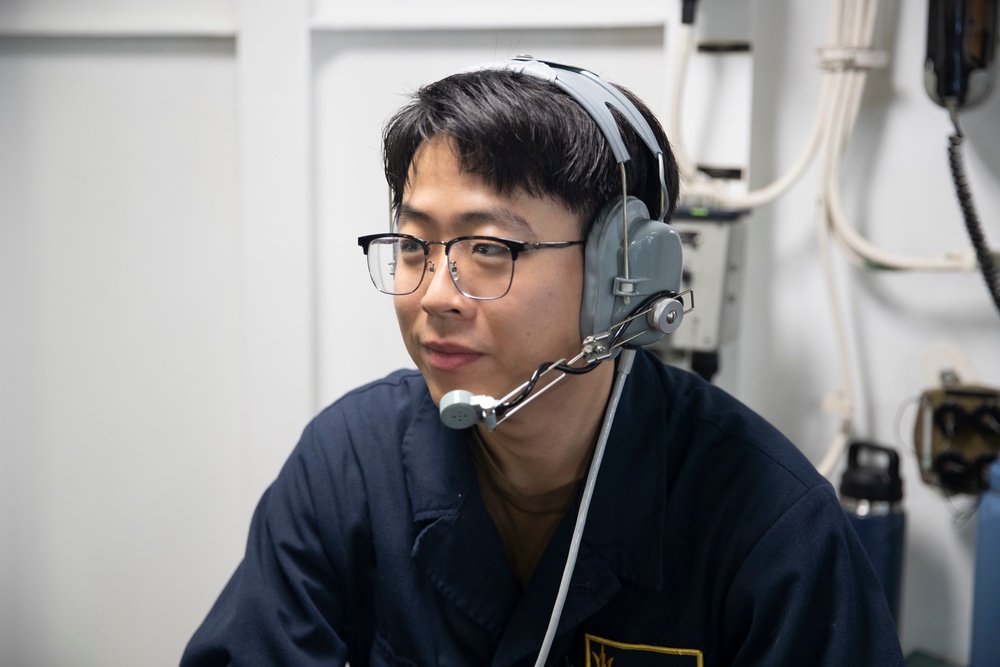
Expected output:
{"points": [[987, 262]]}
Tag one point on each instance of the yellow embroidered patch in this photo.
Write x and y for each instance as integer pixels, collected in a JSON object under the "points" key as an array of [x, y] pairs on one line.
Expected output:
{"points": [[607, 653]]}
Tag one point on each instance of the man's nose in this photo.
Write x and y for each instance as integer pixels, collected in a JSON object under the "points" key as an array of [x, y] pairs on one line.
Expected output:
{"points": [[440, 288]]}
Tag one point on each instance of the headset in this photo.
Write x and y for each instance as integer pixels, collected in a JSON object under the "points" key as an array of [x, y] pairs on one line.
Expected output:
{"points": [[632, 263]]}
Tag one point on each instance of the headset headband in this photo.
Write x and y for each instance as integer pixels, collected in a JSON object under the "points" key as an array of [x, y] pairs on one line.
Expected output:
{"points": [[597, 97]]}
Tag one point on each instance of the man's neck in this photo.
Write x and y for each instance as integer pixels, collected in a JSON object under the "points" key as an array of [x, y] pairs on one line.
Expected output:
{"points": [[549, 443]]}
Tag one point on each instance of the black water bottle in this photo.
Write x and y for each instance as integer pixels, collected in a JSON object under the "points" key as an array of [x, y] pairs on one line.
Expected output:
{"points": [[871, 492]]}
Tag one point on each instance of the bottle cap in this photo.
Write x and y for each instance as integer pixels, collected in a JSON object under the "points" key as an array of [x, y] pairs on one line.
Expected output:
{"points": [[877, 479]]}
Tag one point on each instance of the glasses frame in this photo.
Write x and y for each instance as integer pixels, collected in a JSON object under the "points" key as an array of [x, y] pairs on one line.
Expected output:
{"points": [[515, 247]]}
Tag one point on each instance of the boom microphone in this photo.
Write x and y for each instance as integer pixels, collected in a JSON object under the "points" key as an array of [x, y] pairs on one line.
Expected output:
{"points": [[461, 409]]}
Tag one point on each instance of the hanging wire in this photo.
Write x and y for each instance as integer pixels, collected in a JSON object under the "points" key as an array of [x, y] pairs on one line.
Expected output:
{"points": [[987, 261]]}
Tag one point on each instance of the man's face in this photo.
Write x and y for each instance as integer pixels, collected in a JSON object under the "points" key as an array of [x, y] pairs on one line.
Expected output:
{"points": [[487, 347]]}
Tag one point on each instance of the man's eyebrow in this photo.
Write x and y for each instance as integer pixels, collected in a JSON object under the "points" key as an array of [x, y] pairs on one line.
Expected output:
{"points": [[503, 216], [498, 215], [407, 211]]}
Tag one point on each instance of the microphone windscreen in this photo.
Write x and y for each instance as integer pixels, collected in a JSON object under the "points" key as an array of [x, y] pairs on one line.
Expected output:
{"points": [[457, 410]]}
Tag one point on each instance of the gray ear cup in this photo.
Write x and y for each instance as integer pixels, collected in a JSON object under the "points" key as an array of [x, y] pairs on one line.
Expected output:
{"points": [[601, 268], [654, 266]]}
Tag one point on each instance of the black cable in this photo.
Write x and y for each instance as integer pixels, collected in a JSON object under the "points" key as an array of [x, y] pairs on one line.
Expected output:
{"points": [[527, 389], [571, 370], [987, 262]]}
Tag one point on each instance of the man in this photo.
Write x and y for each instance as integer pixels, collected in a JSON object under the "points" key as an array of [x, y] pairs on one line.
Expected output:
{"points": [[389, 538]]}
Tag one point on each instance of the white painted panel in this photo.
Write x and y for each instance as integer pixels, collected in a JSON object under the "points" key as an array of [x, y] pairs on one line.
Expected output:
{"points": [[459, 15], [716, 97], [120, 346], [277, 235], [360, 79], [118, 17]]}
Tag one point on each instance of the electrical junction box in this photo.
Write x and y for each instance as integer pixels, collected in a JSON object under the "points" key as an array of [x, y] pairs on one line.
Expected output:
{"points": [[713, 270], [956, 436]]}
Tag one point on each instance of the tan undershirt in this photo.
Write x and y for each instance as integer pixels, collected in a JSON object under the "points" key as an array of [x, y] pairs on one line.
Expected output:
{"points": [[525, 522]]}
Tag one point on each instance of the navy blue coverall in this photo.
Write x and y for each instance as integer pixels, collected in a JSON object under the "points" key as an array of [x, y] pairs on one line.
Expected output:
{"points": [[711, 541]]}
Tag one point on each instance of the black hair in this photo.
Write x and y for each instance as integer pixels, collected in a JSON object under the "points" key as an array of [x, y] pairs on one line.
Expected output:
{"points": [[519, 133]]}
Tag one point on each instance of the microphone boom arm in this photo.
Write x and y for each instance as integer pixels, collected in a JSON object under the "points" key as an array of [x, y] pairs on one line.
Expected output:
{"points": [[461, 409]]}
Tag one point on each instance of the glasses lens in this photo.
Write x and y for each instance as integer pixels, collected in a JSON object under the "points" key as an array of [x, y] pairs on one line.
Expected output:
{"points": [[481, 268], [396, 264]]}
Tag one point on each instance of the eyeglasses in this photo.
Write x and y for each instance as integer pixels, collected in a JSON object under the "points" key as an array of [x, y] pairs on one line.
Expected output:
{"points": [[482, 267]]}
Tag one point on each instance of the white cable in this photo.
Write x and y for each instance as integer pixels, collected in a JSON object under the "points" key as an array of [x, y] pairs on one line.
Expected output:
{"points": [[848, 86], [857, 247], [624, 367], [857, 31], [682, 60], [834, 137], [778, 187], [821, 119], [860, 249], [850, 31], [846, 402], [699, 185]]}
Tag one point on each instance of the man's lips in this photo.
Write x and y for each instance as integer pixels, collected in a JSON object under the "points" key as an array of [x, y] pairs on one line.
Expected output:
{"points": [[449, 356]]}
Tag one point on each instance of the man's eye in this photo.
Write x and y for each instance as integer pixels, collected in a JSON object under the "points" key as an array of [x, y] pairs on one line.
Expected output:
{"points": [[486, 250], [410, 246]]}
